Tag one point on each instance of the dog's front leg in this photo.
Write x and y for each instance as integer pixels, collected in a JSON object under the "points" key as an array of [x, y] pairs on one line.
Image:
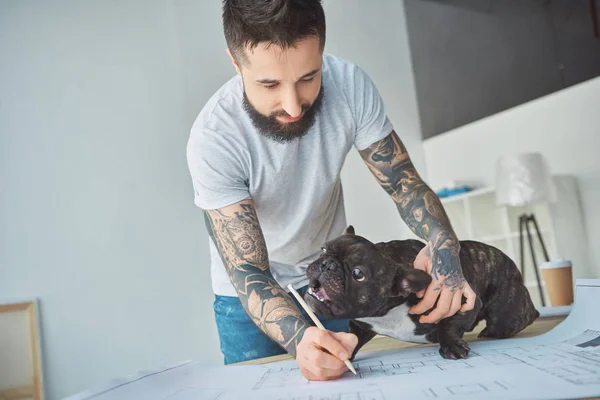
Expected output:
{"points": [[451, 331], [363, 332]]}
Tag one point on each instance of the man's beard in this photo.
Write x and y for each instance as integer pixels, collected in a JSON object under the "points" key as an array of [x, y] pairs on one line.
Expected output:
{"points": [[283, 132]]}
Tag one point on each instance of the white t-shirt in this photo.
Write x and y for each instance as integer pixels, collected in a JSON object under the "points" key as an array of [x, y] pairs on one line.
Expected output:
{"points": [[295, 185]]}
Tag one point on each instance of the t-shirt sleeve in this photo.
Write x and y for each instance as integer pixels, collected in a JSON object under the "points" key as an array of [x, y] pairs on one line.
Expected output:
{"points": [[217, 173], [372, 122]]}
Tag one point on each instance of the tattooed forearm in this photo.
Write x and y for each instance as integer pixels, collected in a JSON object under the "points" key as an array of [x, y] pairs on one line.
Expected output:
{"points": [[445, 258], [417, 204], [236, 232]]}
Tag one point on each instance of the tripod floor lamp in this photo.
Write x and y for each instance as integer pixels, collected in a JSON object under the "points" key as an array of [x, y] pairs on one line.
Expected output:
{"points": [[521, 181]]}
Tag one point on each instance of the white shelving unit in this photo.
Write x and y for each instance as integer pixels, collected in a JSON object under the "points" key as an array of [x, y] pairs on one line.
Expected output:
{"points": [[475, 216]]}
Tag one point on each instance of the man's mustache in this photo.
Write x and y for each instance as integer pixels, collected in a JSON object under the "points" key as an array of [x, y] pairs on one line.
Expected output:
{"points": [[283, 113]]}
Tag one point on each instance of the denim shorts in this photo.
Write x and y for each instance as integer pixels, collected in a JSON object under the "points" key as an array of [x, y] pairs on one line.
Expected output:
{"points": [[241, 340]]}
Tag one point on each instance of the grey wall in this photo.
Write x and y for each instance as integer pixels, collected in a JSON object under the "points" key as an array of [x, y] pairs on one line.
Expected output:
{"points": [[474, 58], [373, 35], [96, 208], [96, 212]]}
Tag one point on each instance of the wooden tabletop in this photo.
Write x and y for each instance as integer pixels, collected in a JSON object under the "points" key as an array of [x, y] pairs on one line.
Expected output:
{"points": [[382, 343]]}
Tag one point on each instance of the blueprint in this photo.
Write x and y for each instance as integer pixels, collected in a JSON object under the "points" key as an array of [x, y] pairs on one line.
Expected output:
{"points": [[562, 363]]}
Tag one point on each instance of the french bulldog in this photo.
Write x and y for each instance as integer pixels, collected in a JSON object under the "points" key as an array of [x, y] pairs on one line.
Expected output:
{"points": [[374, 285]]}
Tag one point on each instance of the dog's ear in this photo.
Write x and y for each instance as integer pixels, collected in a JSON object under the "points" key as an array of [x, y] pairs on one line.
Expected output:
{"points": [[349, 230], [409, 281]]}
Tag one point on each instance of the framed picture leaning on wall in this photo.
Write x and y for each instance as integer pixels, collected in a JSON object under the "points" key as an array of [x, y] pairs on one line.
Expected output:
{"points": [[21, 376]]}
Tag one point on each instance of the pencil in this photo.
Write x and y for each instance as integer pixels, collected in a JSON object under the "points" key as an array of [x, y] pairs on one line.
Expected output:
{"points": [[315, 320]]}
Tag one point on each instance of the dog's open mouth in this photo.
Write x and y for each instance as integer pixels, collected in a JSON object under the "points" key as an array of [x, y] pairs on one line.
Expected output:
{"points": [[320, 295]]}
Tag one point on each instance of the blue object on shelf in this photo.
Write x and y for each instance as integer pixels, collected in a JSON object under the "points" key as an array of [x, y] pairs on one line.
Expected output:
{"points": [[453, 192]]}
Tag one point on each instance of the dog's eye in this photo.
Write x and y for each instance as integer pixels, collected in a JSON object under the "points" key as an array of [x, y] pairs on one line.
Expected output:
{"points": [[323, 249], [358, 275]]}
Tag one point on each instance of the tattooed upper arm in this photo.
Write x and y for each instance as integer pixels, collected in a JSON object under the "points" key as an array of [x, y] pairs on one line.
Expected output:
{"points": [[387, 159], [238, 236]]}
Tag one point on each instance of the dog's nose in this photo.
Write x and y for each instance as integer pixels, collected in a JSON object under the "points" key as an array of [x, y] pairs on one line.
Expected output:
{"points": [[314, 285], [328, 265]]}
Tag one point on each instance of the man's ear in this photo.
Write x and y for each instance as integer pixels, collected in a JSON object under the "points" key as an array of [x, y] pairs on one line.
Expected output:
{"points": [[349, 230], [409, 281], [235, 64]]}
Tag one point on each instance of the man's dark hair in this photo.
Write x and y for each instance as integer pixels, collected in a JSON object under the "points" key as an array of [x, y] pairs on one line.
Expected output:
{"points": [[278, 22]]}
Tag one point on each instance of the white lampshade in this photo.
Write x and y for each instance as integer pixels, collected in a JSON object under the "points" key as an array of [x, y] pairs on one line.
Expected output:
{"points": [[523, 179]]}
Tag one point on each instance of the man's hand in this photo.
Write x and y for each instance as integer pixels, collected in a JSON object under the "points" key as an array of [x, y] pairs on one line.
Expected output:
{"points": [[321, 354], [448, 284]]}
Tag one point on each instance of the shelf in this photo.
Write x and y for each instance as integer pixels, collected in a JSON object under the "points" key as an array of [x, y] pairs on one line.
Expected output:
{"points": [[462, 196], [495, 238], [476, 216]]}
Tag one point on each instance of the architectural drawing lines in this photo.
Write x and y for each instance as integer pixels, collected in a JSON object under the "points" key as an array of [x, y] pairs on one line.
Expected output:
{"points": [[479, 389], [565, 361], [362, 395]]}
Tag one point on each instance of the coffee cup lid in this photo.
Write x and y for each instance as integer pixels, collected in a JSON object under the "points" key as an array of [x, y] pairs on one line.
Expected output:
{"points": [[556, 264]]}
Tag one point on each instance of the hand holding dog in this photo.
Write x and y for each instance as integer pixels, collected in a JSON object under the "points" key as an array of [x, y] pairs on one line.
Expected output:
{"points": [[448, 283]]}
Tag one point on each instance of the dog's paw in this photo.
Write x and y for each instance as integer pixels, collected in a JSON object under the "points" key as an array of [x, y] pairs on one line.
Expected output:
{"points": [[455, 350]]}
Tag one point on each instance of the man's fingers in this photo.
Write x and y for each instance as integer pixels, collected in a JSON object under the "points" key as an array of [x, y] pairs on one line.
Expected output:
{"points": [[324, 361], [314, 358], [456, 304], [307, 374], [325, 340], [319, 365], [311, 376], [422, 261], [440, 310], [431, 295], [348, 340], [470, 296]]}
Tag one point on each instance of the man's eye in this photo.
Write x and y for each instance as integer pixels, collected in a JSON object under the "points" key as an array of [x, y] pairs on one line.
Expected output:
{"points": [[358, 275], [308, 79], [273, 86]]}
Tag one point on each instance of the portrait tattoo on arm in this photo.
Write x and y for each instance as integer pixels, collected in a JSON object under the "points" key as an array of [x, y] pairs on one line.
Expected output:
{"points": [[238, 237]]}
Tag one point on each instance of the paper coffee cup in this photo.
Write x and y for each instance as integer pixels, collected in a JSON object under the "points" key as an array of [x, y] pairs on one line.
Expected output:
{"points": [[558, 276]]}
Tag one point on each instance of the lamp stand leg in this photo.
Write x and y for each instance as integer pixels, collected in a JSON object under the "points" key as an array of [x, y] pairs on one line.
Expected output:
{"points": [[539, 235], [535, 267], [521, 247]]}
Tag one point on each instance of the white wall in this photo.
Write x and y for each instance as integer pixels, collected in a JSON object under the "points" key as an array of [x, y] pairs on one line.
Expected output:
{"points": [[563, 126], [96, 210]]}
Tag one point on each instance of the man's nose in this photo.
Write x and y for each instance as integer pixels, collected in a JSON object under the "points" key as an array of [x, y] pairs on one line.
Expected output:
{"points": [[291, 103]]}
